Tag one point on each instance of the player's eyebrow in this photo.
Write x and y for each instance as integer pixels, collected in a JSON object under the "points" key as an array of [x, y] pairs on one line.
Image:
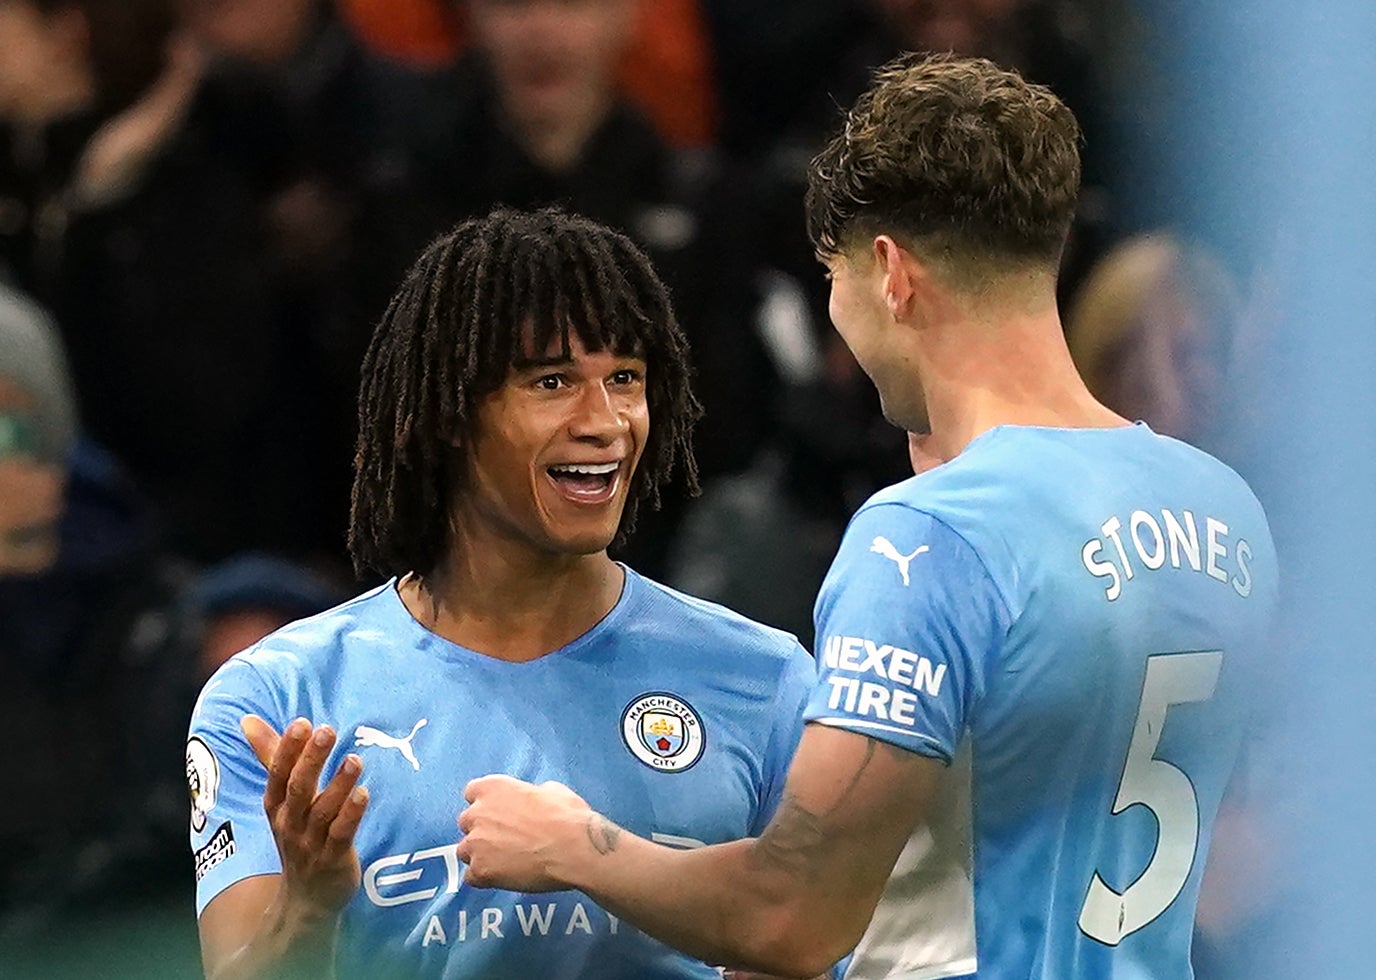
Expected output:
{"points": [[548, 360], [558, 359]]}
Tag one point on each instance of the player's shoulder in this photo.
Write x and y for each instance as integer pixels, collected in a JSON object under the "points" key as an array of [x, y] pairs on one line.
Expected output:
{"points": [[948, 503], [961, 491], [691, 619], [909, 545], [1012, 490], [1207, 468], [1007, 471]]}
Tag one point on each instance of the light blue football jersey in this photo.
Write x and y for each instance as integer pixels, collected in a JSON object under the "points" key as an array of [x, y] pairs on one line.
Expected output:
{"points": [[1079, 613], [674, 717]]}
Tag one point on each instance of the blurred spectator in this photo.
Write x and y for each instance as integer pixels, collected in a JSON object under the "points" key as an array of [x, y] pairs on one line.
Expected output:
{"points": [[423, 33], [786, 65], [1244, 897], [820, 52], [668, 73], [537, 118], [116, 214], [243, 599], [37, 430], [104, 640], [1152, 330], [776, 67], [312, 118], [95, 679], [666, 70], [319, 128]]}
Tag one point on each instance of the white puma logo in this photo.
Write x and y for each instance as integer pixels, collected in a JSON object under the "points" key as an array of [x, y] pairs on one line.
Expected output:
{"points": [[883, 546], [365, 735]]}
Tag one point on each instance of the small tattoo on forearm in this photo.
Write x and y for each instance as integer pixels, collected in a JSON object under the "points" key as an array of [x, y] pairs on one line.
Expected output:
{"points": [[603, 834]]}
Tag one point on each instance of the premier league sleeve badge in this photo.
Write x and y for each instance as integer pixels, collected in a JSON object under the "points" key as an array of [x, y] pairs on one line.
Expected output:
{"points": [[202, 780]]}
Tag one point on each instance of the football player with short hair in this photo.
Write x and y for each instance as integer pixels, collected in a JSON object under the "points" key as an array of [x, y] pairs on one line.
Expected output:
{"points": [[1036, 654]]}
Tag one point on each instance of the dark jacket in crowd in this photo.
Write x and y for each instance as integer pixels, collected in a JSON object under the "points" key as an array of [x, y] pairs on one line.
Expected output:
{"points": [[96, 682], [179, 356]]}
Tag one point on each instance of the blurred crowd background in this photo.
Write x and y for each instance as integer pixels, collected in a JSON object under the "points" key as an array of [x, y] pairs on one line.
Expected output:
{"points": [[205, 206]]}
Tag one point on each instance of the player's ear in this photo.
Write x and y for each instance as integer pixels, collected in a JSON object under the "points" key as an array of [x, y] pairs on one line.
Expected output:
{"points": [[899, 273]]}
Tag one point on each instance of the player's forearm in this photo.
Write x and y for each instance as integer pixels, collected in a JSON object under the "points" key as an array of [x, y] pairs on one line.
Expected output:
{"points": [[717, 903], [290, 944]]}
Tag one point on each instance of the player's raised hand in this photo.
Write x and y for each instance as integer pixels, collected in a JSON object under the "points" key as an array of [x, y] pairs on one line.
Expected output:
{"points": [[514, 830], [314, 828]]}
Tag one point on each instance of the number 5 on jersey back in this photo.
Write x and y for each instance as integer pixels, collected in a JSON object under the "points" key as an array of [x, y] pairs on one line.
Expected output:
{"points": [[1177, 678]]}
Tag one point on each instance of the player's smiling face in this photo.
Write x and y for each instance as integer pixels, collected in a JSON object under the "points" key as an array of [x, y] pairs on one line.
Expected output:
{"points": [[554, 449]]}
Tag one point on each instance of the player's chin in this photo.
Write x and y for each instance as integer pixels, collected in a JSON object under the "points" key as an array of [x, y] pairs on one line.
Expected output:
{"points": [[584, 529], [586, 537], [904, 412]]}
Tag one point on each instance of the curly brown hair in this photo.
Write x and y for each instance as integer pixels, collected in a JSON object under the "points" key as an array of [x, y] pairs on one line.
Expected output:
{"points": [[963, 160], [454, 330]]}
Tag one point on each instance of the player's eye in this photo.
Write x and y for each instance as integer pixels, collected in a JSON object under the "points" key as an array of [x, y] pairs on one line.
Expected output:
{"points": [[627, 376], [550, 382]]}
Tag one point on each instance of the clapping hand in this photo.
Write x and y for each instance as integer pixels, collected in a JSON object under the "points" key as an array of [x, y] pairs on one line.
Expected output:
{"points": [[314, 828]]}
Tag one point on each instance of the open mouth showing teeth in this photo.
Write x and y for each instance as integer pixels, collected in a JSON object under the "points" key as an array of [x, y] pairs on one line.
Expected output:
{"points": [[585, 479]]}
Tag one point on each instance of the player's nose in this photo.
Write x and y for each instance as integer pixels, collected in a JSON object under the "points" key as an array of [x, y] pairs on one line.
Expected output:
{"points": [[598, 414]]}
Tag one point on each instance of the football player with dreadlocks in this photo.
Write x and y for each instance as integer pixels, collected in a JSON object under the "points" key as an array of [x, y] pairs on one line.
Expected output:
{"points": [[525, 393]]}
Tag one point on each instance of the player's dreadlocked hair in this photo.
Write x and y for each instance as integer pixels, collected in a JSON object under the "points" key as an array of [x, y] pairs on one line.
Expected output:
{"points": [[458, 323]]}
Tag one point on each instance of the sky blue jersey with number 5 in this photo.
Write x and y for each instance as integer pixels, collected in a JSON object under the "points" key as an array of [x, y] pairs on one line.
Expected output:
{"points": [[1075, 617], [674, 717]]}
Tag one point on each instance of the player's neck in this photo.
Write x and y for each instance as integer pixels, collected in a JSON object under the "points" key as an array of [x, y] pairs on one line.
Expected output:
{"points": [[1004, 368], [513, 604]]}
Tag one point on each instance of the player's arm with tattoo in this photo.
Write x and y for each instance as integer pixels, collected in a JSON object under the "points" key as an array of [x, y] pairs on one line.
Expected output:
{"points": [[790, 902]]}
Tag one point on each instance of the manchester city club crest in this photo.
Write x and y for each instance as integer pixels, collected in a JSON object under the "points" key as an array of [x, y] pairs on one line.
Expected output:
{"points": [[663, 731]]}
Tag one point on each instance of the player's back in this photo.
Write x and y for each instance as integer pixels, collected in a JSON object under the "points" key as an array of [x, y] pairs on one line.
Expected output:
{"points": [[1140, 576], [1116, 588]]}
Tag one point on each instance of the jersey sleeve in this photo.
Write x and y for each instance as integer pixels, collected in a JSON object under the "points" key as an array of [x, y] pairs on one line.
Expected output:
{"points": [[795, 685], [230, 836], [908, 622]]}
